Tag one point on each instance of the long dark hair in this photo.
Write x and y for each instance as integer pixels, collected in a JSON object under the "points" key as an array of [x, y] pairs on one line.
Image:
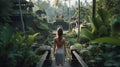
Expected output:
{"points": [[60, 33]]}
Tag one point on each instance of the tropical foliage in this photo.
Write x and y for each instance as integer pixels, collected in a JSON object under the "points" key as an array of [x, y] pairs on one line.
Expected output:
{"points": [[15, 50], [99, 43], [102, 47], [5, 10], [100, 54], [111, 5]]}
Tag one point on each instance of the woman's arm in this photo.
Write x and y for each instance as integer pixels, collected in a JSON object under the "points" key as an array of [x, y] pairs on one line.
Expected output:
{"points": [[65, 46], [54, 48]]}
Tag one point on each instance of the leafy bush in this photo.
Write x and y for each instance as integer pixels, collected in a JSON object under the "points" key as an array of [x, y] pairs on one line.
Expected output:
{"points": [[86, 34], [101, 55], [110, 40], [39, 51], [6, 32], [101, 24], [71, 34], [72, 41], [83, 40], [5, 11], [43, 26], [15, 50], [78, 46]]}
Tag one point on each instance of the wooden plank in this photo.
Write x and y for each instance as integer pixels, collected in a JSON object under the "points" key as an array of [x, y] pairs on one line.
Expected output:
{"points": [[66, 64], [83, 64], [43, 58]]}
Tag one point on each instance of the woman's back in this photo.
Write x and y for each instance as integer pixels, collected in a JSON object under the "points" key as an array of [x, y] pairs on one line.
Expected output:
{"points": [[59, 43]]}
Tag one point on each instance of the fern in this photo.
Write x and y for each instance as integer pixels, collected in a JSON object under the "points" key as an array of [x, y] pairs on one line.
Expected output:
{"points": [[31, 38]]}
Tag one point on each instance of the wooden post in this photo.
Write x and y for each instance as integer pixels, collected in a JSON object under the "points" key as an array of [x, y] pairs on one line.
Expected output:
{"points": [[72, 48]]}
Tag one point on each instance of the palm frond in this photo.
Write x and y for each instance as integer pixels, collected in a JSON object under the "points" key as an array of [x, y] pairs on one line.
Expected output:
{"points": [[109, 40], [92, 24], [86, 33]]}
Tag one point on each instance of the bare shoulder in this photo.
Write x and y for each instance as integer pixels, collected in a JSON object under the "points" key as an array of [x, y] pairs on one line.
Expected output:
{"points": [[55, 38], [64, 38]]}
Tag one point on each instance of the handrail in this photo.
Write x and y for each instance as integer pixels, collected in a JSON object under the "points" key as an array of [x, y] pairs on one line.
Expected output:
{"points": [[79, 59], [75, 56], [42, 60]]}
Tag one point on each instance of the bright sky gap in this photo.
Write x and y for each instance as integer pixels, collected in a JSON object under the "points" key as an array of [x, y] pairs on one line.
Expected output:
{"points": [[72, 2]]}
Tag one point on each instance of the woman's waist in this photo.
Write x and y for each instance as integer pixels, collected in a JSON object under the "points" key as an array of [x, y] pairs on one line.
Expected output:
{"points": [[59, 46], [59, 50]]}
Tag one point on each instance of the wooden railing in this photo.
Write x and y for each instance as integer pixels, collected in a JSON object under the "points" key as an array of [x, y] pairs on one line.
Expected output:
{"points": [[77, 58], [42, 60], [45, 57]]}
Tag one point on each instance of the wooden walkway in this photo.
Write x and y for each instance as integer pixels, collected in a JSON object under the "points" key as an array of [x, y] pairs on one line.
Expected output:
{"points": [[48, 60], [66, 64]]}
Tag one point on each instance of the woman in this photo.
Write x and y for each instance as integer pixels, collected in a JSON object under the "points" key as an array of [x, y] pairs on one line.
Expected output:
{"points": [[59, 50]]}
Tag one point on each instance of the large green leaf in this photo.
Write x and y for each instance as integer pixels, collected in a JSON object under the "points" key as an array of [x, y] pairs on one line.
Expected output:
{"points": [[43, 26], [86, 33], [110, 40], [104, 14], [92, 24], [31, 38]]}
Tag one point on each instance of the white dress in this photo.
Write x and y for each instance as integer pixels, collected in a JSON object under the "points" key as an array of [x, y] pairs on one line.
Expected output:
{"points": [[60, 56]]}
